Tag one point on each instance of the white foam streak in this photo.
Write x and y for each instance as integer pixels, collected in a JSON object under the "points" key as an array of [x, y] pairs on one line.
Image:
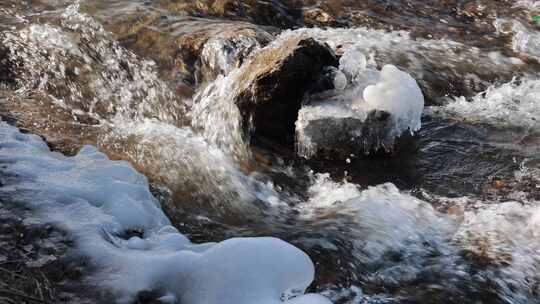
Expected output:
{"points": [[514, 104]]}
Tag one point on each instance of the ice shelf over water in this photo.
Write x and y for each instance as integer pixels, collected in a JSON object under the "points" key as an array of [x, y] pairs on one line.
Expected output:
{"points": [[97, 201]]}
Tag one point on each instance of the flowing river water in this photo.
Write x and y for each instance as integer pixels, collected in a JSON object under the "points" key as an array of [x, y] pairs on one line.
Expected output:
{"points": [[451, 217]]}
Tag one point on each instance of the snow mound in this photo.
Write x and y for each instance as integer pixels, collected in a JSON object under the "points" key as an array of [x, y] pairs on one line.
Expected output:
{"points": [[397, 93], [100, 202]]}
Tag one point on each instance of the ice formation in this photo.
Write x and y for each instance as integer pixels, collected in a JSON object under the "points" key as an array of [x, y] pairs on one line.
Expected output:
{"points": [[516, 104], [368, 110], [98, 201], [397, 93]]}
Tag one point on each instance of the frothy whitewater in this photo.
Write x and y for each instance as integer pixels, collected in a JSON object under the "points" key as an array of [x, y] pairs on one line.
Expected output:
{"points": [[454, 220]]}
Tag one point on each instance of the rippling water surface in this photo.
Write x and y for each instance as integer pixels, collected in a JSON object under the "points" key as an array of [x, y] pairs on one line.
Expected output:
{"points": [[453, 216]]}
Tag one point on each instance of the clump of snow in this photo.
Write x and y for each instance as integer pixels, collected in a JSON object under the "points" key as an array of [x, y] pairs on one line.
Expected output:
{"points": [[516, 104], [397, 93], [98, 201]]}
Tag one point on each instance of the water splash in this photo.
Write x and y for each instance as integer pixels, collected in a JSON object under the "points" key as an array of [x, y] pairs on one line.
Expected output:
{"points": [[513, 104], [79, 66]]}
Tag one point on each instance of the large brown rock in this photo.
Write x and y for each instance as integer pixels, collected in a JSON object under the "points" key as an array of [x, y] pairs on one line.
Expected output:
{"points": [[275, 82]]}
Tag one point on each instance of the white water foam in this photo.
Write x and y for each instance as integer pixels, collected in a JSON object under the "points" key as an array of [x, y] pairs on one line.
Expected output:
{"points": [[399, 48], [513, 104], [387, 219], [504, 234], [525, 41]]}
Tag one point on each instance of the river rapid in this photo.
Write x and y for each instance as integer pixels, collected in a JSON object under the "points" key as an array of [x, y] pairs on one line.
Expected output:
{"points": [[452, 215]]}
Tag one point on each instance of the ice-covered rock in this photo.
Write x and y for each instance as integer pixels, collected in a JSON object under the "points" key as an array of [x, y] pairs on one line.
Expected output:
{"points": [[377, 108], [98, 201]]}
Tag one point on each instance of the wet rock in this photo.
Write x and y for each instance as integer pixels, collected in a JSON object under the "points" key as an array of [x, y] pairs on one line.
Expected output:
{"points": [[274, 83], [227, 50]]}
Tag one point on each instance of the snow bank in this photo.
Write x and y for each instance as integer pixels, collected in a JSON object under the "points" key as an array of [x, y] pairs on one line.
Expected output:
{"points": [[99, 202]]}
